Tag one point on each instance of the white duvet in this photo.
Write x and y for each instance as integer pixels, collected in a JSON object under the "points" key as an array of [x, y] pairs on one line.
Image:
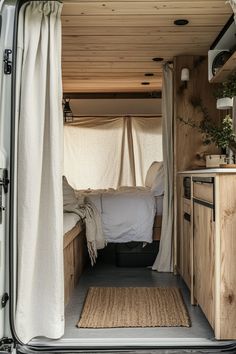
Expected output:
{"points": [[127, 214]]}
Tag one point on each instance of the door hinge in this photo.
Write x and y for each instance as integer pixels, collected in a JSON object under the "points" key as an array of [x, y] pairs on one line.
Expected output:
{"points": [[4, 300], [6, 344], [7, 61]]}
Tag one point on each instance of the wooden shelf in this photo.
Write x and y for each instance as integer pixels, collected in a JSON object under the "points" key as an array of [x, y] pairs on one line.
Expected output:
{"points": [[225, 71]]}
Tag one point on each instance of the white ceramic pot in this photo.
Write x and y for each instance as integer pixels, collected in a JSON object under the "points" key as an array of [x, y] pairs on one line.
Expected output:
{"points": [[224, 103]]}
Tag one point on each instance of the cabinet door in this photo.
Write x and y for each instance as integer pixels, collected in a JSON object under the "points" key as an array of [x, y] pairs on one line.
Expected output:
{"points": [[204, 268], [186, 265]]}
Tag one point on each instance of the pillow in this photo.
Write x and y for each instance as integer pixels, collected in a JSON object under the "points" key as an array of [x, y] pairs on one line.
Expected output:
{"points": [[69, 196], [151, 173], [158, 183]]}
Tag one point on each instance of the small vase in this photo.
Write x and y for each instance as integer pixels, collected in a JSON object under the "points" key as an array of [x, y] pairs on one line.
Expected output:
{"points": [[230, 156]]}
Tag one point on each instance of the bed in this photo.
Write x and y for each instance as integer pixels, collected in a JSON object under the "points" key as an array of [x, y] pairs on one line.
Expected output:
{"points": [[131, 213]]}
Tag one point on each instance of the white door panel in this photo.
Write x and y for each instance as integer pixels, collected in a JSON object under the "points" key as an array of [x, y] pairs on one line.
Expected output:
{"points": [[7, 11]]}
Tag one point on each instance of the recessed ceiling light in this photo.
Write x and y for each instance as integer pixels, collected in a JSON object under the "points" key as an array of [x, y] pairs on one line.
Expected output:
{"points": [[181, 22], [145, 83], [157, 59], [148, 74]]}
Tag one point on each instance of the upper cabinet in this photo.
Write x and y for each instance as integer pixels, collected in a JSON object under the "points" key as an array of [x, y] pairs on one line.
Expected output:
{"points": [[222, 55]]}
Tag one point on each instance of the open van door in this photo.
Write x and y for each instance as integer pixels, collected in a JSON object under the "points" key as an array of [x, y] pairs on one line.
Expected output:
{"points": [[7, 12]]}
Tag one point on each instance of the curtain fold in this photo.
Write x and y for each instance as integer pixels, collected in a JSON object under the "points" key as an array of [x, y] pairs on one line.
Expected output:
{"points": [[40, 298], [164, 262], [109, 152]]}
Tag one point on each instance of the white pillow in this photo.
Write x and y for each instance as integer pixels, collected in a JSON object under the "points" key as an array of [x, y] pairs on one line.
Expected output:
{"points": [[158, 183], [69, 196], [151, 173]]}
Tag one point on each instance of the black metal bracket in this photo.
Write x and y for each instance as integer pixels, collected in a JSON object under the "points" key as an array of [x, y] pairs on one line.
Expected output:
{"points": [[7, 62], [4, 300]]}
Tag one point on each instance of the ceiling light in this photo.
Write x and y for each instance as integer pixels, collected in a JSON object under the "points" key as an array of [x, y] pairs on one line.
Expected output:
{"points": [[181, 22], [157, 59], [148, 74]]}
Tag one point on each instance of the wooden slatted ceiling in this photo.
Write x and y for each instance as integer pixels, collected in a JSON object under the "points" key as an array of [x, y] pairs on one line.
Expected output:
{"points": [[108, 46]]}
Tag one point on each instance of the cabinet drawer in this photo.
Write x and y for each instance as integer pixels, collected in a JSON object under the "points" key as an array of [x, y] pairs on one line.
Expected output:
{"points": [[203, 191]]}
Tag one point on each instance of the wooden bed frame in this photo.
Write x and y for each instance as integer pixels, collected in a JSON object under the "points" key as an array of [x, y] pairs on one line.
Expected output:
{"points": [[75, 258], [76, 254], [157, 228]]}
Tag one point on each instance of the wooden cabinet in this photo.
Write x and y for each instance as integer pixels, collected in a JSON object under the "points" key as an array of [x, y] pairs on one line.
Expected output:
{"points": [[203, 260], [207, 248]]}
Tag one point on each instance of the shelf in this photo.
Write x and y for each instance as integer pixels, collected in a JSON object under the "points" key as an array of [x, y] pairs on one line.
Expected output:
{"points": [[225, 71]]}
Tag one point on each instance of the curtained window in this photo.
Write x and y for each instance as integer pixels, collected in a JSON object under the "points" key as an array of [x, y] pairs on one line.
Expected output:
{"points": [[108, 152]]}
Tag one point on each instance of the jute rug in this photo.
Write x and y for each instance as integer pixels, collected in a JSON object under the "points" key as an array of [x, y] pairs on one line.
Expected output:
{"points": [[134, 307]]}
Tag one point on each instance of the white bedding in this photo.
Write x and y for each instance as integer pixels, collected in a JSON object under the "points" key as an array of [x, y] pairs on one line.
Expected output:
{"points": [[69, 221], [127, 214]]}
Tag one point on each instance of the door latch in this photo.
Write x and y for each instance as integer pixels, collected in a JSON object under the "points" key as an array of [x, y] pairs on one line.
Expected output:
{"points": [[6, 345], [4, 182], [7, 61], [4, 300]]}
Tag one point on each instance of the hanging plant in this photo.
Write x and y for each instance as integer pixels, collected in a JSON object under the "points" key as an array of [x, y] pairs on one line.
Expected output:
{"points": [[222, 135]]}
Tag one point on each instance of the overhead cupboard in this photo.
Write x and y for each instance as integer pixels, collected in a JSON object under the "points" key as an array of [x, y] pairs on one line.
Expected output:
{"points": [[207, 245]]}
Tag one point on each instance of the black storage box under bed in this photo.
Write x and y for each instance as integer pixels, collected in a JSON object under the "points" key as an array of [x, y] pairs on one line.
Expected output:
{"points": [[133, 254]]}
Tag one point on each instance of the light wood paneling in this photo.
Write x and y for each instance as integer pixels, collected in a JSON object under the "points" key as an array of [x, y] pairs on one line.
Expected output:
{"points": [[75, 258], [69, 271], [101, 38], [227, 262], [204, 260], [203, 191]]}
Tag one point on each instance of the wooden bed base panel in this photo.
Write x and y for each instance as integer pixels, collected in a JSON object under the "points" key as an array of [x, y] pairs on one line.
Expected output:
{"points": [[75, 258], [157, 228]]}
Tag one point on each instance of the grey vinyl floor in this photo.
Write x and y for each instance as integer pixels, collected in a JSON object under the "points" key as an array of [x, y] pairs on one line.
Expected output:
{"points": [[105, 273]]}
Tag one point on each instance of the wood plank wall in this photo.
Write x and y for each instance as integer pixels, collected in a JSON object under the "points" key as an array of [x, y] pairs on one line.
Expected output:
{"points": [[189, 148]]}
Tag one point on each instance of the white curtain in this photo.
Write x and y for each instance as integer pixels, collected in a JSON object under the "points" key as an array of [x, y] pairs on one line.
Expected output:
{"points": [[111, 151], [40, 298], [164, 262]]}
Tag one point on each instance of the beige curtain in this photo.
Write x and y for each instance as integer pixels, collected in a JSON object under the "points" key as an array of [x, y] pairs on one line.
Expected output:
{"points": [[40, 291], [164, 261], [107, 152]]}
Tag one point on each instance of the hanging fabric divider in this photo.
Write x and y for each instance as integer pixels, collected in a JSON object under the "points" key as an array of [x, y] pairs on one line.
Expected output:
{"points": [[108, 152]]}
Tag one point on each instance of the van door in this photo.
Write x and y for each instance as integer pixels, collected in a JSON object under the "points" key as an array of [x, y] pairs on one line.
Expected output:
{"points": [[7, 12]]}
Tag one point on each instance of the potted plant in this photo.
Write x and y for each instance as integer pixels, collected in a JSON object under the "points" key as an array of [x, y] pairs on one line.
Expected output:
{"points": [[225, 93]]}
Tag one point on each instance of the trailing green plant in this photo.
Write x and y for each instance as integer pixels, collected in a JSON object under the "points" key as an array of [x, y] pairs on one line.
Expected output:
{"points": [[227, 88], [221, 134]]}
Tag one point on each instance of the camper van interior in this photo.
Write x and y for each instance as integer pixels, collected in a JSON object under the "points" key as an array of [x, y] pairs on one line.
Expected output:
{"points": [[125, 173]]}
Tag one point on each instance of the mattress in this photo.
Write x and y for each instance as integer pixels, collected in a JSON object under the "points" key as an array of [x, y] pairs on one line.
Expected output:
{"points": [[69, 221], [127, 215]]}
